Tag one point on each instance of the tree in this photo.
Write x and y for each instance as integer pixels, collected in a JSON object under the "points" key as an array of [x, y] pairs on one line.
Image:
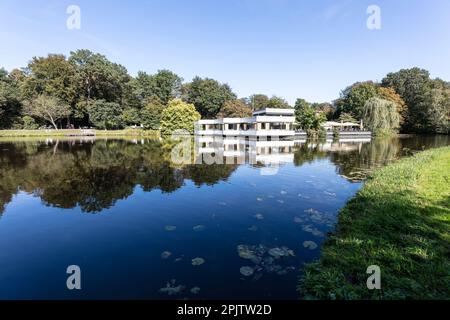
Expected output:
{"points": [[9, 100], [326, 108], [381, 116], [105, 115], [387, 93], [51, 76], [151, 113], [414, 86], [131, 116], [97, 78], [306, 117], [258, 101], [234, 109], [439, 107], [347, 117], [207, 95], [354, 97], [179, 116], [165, 85], [47, 108], [277, 103]]}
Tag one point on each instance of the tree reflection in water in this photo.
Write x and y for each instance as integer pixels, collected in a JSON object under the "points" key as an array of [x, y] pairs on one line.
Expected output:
{"points": [[94, 174]]}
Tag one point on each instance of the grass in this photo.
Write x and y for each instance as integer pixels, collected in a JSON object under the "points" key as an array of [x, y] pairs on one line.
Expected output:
{"points": [[400, 221], [69, 132]]}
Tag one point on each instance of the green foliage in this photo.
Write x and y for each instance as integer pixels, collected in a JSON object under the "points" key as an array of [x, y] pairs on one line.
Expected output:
{"points": [[381, 116], [165, 85], [47, 108], [234, 109], [398, 221], [179, 116], [277, 103], [207, 95], [427, 99], [151, 114], [51, 76], [307, 117], [29, 123], [347, 117], [354, 97], [131, 116], [105, 115], [10, 107], [258, 101]]}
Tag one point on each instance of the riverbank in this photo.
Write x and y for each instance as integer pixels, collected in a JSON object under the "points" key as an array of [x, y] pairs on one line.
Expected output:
{"points": [[79, 133], [400, 221]]}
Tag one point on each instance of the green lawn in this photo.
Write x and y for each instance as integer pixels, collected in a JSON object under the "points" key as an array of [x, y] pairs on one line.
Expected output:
{"points": [[400, 221], [68, 132]]}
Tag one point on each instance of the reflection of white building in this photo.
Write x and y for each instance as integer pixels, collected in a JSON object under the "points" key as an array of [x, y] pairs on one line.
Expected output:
{"points": [[266, 122], [241, 150]]}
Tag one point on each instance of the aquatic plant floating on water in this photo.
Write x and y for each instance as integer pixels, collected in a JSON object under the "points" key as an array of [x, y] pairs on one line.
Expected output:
{"points": [[283, 192], [259, 199], [195, 290], [166, 254], [298, 220], [171, 228], [247, 271], [253, 228], [311, 245], [259, 216], [198, 261], [171, 288], [199, 228], [281, 252]]}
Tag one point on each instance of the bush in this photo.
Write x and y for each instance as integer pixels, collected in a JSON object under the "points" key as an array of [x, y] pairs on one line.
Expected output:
{"points": [[29, 123], [179, 116]]}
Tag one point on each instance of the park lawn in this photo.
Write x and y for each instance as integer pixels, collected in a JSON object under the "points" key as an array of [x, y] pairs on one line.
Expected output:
{"points": [[75, 132], [400, 221]]}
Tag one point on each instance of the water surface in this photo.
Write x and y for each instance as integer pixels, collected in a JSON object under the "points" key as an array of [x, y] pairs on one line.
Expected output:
{"points": [[141, 226]]}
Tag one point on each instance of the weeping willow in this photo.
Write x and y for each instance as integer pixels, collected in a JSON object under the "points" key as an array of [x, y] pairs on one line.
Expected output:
{"points": [[381, 116]]}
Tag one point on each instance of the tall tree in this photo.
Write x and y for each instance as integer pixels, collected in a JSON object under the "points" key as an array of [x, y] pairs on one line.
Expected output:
{"points": [[165, 85], [414, 86], [52, 76], [208, 95], [47, 108], [234, 109], [354, 97], [106, 115], [9, 100], [258, 101], [151, 113], [381, 116], [277, 103]]}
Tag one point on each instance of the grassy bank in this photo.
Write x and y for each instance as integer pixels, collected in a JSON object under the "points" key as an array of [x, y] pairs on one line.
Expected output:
{"points": [[400, 221], [66, 133]]}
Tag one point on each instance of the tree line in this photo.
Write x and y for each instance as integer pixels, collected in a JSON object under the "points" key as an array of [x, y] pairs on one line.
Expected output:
{"points": [[85, 89]]}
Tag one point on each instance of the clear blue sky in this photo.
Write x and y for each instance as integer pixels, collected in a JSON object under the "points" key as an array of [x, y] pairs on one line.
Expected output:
{"points": [[291, 48]]}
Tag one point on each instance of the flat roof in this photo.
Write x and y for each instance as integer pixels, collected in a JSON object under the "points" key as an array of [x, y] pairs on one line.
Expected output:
{"points": [[275, 111]]}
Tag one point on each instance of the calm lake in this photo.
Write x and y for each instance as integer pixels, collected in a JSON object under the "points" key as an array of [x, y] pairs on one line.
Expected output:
{"points": [[140, 225]]}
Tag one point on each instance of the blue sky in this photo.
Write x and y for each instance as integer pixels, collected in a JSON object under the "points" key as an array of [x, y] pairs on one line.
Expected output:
{"points": [[292, 48]]}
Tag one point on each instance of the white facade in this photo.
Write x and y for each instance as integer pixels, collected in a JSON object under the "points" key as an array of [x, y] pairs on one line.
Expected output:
{"points": [[265, 122]]}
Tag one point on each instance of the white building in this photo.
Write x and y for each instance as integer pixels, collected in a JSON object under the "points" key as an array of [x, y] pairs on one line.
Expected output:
{"points": [[266, 122]]}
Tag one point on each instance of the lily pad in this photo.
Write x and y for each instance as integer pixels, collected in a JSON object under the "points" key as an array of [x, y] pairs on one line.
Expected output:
{"points": [[283, 192], [259, 216], [247, 271], [166, 254], [259, 199], [199, 228], [171, 288], [195, 290], [171, 228], [198, 261], [298, 220], [311, 245], [253, 228]]}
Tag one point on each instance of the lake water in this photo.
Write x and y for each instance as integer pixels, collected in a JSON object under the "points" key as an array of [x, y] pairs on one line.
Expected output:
{"points": [[141, 225]]}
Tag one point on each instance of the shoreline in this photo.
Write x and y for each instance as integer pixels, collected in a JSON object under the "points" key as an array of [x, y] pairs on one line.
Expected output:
{"points": [[78, 133], [397, 221]]}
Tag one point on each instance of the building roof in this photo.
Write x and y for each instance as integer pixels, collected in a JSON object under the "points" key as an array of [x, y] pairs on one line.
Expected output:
{"points": [[274, 112]]}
